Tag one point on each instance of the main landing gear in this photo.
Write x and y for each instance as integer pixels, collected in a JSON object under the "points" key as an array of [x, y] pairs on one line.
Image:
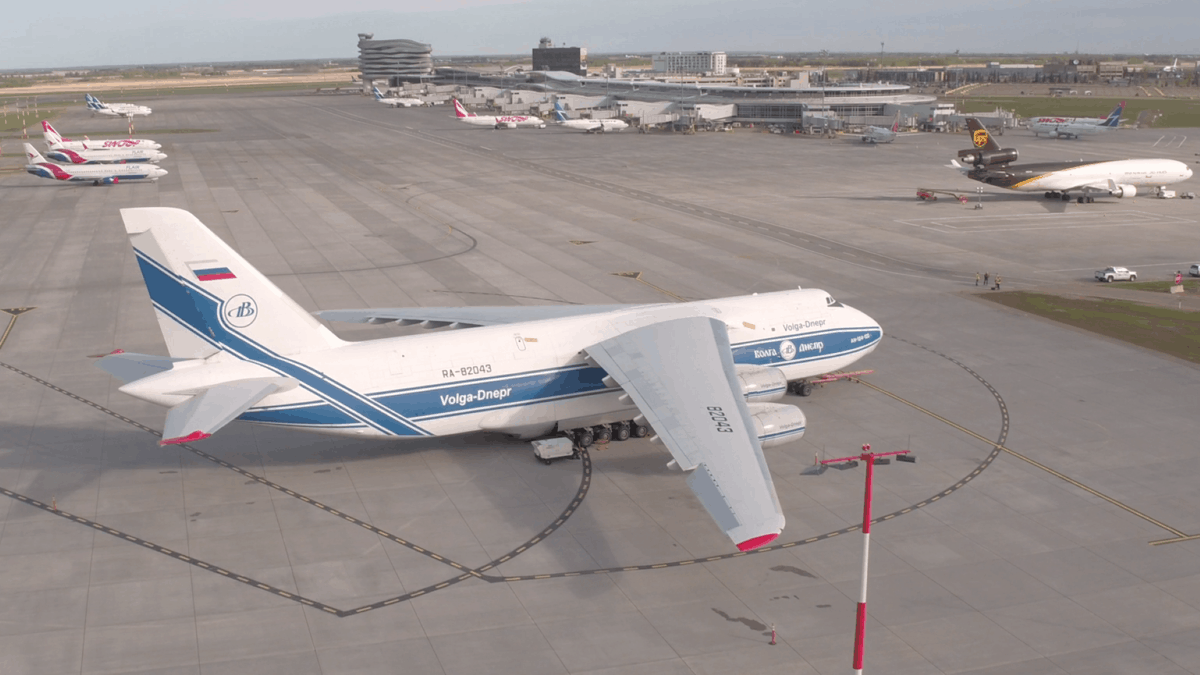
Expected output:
{"points": [[1083, 199], [801, 388], [603, 433]]}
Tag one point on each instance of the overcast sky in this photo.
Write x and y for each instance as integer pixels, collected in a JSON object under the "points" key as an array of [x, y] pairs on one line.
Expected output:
{"points": [[67, 33]]}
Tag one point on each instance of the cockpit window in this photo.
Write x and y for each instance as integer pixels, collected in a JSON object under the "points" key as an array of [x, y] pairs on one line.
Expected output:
{"points": [[830, 302]]}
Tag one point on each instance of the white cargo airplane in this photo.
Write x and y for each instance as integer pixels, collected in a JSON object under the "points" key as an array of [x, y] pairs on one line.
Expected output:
{"points": [[396, 102], [55, 141], [116, 156], [497, 121], [991, 164], [116, 109], [880, 134], [698, 372], [96, 174], [1074, 127], [590, 126]]}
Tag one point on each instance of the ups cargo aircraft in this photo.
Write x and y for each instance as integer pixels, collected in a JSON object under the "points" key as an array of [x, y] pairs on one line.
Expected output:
{"points": [[993, 165], [497, 121], [96, 174], [1074, 127], [55, 141], [702, 374]]}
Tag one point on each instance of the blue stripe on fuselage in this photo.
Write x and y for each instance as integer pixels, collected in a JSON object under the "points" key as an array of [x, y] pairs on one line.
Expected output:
{"points": [[199, 311]]}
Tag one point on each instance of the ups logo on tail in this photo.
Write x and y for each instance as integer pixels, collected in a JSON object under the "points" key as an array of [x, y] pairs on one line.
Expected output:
{"points": [[980, 137]]}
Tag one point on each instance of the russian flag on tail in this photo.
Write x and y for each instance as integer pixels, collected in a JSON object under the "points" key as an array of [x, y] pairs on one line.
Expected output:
{"points": [[208, 270]]}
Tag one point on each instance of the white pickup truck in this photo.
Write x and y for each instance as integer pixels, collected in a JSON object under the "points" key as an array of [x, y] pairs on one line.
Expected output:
{"points": [[1111, 274]]}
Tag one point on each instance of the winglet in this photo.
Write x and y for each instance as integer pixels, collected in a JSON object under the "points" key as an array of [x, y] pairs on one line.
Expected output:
{"points": [[194, 436], [751, 544]]}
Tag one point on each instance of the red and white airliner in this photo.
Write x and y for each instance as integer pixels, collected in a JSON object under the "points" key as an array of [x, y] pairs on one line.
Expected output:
{"points": [[497, 121], [55, 141]]}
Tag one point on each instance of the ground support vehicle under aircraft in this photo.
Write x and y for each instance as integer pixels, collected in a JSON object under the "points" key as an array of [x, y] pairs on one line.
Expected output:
{"points": [[704, 375]]}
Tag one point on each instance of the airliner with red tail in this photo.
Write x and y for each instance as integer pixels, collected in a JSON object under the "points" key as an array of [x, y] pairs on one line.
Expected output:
{"points": [[96, 174], [55, 141], [497, 121]]}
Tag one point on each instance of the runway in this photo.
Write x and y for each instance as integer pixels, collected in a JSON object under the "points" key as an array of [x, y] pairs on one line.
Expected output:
{"points": [[1019, 543]]}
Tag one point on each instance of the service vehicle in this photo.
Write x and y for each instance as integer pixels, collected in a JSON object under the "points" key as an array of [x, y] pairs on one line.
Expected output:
{"points": [[1111, 274]]}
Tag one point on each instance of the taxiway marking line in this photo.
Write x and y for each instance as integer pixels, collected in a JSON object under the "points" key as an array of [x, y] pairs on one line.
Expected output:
{"points": [[1034, 462], [15, 312]]}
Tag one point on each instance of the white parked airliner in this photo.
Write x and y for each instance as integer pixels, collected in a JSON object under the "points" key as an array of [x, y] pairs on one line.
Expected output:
{"points": [[700, 373], [874, 134], [1074, 127], [991, 164], [115, 109], [396, 102], [590, 126], [497, 121], [55, 141], [96, 174], [115, 156]]}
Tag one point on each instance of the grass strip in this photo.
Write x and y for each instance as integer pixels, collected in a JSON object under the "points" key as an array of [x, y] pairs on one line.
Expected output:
{"points": [[1162, 329]]}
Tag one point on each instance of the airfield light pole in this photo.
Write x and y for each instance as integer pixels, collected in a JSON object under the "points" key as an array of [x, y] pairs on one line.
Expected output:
{"points": [[860, 624]]}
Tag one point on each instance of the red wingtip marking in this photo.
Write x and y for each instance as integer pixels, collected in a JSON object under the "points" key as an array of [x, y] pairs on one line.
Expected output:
{"points": [[116, 351], [194, 436], [751, 544]]}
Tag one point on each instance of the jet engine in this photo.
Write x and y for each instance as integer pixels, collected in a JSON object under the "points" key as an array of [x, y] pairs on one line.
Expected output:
{"points": [[776, 423], [761, 383], [1124, 191], [988, 158]]}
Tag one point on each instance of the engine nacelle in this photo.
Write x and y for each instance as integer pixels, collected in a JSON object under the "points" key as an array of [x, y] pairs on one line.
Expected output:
{"points": [[761, 383], [1125, 191], [988, 158], [776, 423]]}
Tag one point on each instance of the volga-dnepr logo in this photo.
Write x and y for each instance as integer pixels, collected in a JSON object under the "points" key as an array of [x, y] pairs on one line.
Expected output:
{"points": [[240, 311], [980, 137]]}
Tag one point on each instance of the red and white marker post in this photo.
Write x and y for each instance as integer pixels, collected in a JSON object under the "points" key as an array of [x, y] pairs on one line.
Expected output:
{"points": [[860, 628]]}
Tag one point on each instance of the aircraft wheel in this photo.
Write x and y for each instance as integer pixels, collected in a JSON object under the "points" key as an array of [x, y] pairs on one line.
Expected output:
{"points": [[640, 431], [621, 431], [96, 183], [1079, 200], [603, 433], [584, 437], [805, 389], [1066, 197]]}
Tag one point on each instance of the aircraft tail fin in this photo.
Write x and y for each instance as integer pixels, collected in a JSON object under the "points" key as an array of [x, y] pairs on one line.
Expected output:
{"points": [[33, 155], [207, 298], [378, 95], [460, 111], [980, 137], [51, 134], [896, 123], [1114, 117], [559, 115]]}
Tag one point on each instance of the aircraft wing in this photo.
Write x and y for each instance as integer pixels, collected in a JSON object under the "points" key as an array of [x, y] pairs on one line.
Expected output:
{"points": [[203, 414], [127, 367], [680, 374], [435, 317]]}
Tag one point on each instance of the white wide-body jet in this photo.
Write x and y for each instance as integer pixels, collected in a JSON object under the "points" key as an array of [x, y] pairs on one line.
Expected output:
{"points": [[590, 126], [700, 373], [1074, 127], [988, 163], [497, 121], [881, 134], [396, 102], [115, 156], [55, 141], [96, 174], [115, 109]]}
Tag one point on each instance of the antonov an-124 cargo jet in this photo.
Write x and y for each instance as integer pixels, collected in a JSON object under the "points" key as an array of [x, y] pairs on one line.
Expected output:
{"points": [[700, 373]]}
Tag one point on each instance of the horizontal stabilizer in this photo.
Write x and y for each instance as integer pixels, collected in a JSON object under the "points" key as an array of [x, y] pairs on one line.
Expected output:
{"points": [[203, 414], [465, 316], [128, 367]]}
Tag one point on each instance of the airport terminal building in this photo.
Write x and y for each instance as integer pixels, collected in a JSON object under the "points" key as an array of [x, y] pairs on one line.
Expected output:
{"points": [[393, 61]]}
